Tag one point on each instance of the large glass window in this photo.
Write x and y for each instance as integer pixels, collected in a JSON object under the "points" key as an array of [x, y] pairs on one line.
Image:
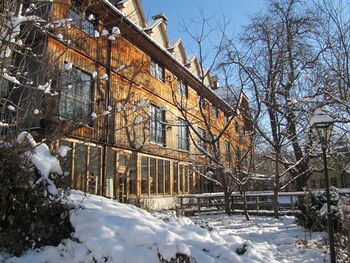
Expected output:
{"points": [[160, 177], [157, 125], [183, 136], [132, 180], [167, 177], [157, 70], [176, 177], [144, 175], [76, 95], [82, 18], [152, 175], [94, 170], [80, 166], [182, 88], [110, 181]]}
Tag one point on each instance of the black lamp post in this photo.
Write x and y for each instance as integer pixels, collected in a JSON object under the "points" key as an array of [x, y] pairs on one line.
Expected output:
{"points": [[321, 125]]}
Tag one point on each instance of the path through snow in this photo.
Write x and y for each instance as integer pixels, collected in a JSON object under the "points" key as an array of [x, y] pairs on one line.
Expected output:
{"points": [[275, 239]]}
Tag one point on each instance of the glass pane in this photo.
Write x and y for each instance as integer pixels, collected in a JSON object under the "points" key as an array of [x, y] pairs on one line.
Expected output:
{"points": [[160, 177], [181, 179], [167, 177], [144, 175], [110, 182], [80, 164], [122, 160], [176, 178], [153, 175], [94, 170], [132, 181]]}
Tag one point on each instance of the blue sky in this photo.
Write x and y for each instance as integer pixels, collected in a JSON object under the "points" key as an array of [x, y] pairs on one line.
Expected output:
{"points": [[237, 11]]}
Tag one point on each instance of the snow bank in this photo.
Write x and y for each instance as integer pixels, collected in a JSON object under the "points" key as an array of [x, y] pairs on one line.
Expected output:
{"points": [[108, 231]]}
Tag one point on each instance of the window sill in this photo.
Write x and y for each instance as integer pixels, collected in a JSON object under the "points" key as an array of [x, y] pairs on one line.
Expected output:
{"points": [[158, 144]]}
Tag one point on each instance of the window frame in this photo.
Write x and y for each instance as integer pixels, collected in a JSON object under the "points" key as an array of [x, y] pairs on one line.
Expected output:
{"points": [[67, 98], [157, 126], [79, 16], [157, 70], [182, 88], [183, 142]]}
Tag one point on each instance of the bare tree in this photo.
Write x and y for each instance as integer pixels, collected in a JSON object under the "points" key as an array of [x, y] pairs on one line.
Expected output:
{"points": [[226, 141], [275, 60]]}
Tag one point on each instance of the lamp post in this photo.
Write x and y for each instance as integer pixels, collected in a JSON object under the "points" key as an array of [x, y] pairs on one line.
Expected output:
{"points": [[321, 125]]}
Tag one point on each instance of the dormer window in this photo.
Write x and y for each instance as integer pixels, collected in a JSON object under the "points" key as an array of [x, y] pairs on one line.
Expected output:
{"points": [[157, 70], [182, 88], [82, 18]]}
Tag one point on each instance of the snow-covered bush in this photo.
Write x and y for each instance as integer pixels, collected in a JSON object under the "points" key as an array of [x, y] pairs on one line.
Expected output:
{"points": [[32, 211], [313, 211]]}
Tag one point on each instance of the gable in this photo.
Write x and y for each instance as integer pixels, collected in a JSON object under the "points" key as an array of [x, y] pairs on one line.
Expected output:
{"points": [[193, 66], [132, 9], [178, 52], [159, 34]]}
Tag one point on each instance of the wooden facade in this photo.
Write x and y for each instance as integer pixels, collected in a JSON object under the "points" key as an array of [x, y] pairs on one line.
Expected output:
{"points": [[126, 75]]}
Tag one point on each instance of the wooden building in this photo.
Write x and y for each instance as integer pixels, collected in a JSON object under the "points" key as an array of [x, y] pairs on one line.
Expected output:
{"points": [[118, 79]]}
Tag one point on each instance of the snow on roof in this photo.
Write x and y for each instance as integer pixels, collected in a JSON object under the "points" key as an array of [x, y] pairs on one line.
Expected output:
{"points": [[164, 50], [153, 24]]}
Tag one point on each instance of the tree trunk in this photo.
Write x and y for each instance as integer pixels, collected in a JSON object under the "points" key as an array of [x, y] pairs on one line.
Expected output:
{"points": [[276, 187], [227, 203]]}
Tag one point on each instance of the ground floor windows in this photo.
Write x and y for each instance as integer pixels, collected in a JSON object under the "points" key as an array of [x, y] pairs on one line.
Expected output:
{"points": [[125, 175]]}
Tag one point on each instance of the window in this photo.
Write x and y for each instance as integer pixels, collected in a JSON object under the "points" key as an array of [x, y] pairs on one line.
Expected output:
{"points": [[110, 182], [157, 125], [153, 176], [183, 136], [182, 88], [157, 70], [132, 179], [160, 177], [176, 177], [167, 177], [82, 18], [122, 160], [228, 152], [144, 174], [80, 166], [75, 101], [94, 170], [201, 142]]}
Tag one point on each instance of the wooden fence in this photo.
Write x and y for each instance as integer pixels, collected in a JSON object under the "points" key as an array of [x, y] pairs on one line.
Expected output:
{"points": [[259, 202]]}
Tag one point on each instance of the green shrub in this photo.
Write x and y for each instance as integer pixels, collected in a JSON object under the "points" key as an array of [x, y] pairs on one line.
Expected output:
{"points": [[28, 218]]}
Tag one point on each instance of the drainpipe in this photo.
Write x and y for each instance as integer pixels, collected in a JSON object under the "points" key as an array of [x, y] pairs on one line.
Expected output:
{"points": [[107, 122]]}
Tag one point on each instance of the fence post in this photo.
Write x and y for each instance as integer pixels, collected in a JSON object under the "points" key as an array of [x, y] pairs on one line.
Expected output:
{"points": [[257, 203], [232, 203], [198, 204]]}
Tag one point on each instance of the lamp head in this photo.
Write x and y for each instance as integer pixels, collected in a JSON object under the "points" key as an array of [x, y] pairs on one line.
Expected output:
{"points": [[321, 125]]}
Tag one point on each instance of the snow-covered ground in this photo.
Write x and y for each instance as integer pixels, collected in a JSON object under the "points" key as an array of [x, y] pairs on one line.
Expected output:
{"points": [[268, 239], [107, 231]]}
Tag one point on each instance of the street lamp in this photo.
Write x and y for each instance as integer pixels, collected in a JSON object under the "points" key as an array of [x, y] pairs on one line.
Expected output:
{"points": [[321, 125]]}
